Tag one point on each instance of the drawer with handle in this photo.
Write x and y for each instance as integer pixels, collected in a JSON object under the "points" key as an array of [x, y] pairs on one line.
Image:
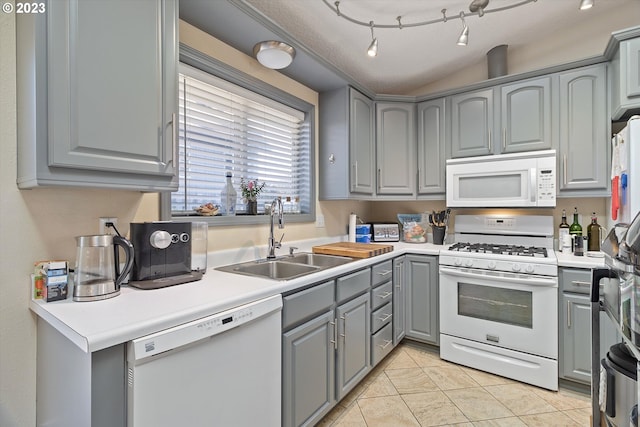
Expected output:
{"points": [[576, 280], [381, 344], [381, 273], [381, 295], [381, 317]]}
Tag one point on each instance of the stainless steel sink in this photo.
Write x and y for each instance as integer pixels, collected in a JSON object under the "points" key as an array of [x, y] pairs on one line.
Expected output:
{"points": [[286, 267], [319, 260]]}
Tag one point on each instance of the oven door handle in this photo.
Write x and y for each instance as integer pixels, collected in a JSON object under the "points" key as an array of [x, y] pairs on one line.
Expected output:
{"points": [[537, 281]]}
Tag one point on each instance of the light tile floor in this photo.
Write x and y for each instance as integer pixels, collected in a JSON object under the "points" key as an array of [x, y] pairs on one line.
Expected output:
{"points": [[414, 387]]}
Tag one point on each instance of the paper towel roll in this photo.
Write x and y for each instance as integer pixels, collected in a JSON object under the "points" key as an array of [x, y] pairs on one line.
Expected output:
{"points": [[352, 227]]}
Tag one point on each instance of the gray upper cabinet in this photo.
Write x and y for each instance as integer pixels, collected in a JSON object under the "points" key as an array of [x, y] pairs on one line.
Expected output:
{"points": [[583, 151], [472, 123], [431, 147], [525, 116], [97, 107], [395, 148], [625, 78], [347, 145]]}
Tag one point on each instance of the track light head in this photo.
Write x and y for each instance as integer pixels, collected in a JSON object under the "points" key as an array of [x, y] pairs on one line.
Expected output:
{"points": [[586, 4], [464, 36], [372, 51]]}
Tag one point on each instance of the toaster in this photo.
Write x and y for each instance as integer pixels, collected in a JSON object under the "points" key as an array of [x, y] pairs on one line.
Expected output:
{"points": [[162, 254]]}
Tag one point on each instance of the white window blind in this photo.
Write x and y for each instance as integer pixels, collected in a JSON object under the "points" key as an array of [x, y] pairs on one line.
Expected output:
{"points": [[226, 128]]}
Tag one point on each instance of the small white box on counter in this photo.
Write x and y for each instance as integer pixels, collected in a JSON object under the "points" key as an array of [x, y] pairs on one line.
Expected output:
{"points": [[51, 280]]}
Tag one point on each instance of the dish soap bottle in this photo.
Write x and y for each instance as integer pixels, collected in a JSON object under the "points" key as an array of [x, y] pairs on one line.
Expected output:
{"points": [[228, 198], [563, 233], [575, 230], [593, 234]]}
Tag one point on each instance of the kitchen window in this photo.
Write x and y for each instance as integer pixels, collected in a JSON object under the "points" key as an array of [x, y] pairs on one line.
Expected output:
{"points": [[230, 126]]}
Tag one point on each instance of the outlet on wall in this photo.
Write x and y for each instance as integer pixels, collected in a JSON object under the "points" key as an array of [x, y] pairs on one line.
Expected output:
{"points": [[103, 227], [319, 221]]}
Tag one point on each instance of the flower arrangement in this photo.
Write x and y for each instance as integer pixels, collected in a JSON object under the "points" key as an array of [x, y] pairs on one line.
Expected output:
{"points": [[250, 189]]}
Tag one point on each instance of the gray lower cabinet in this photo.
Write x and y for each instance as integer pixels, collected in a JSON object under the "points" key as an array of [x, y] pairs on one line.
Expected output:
{"points": [[97, 106], [399, 299], [395, 148], [347, 145], [326, 345], [421, 281], [583, 144], [431, 118], [575, 326], [625, 78]]}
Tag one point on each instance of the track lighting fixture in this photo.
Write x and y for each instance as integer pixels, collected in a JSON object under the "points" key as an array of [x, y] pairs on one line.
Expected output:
{"points": [[464, 35], [476, 7], [586, 4], [373, 47]]}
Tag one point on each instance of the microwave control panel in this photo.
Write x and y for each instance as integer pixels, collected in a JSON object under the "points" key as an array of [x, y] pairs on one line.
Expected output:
{"points": [[546, 186]]}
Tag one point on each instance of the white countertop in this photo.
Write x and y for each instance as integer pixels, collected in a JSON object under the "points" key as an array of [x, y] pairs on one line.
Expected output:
{"points": [[134, 313], [570, 260]]}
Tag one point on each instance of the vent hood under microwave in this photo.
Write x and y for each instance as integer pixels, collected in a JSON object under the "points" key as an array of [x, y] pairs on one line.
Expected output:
{"points": [[504, 180]]}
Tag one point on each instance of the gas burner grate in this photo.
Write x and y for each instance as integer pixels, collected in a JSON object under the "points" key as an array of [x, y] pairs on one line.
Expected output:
{"points": [[488, 248]]}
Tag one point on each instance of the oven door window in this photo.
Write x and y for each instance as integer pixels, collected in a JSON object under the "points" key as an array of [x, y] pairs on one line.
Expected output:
{"points": [[507, 306]]}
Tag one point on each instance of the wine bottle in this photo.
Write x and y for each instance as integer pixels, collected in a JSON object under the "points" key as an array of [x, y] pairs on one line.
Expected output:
{"points": [[563, 233], [593, 234], [575, 229]]}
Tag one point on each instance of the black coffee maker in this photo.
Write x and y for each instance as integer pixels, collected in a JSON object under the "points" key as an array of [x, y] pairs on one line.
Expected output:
{"points": [[162, 254]]}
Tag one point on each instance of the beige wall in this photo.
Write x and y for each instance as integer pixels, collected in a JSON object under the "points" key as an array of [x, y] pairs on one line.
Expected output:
{"points": [[41, 224]]}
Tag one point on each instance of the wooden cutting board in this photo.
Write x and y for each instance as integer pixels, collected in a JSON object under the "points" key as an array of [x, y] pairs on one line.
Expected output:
{"points": [[354, 250]]}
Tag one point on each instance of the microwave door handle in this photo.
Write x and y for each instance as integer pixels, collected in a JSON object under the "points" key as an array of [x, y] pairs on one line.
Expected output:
{"points": [[533, 183]]}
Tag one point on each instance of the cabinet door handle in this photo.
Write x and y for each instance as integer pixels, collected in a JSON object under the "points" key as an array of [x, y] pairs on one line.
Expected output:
{"points": [[568, 314], [385, 295], [564, 168], [334, 341], [504, 139], [490, 144], [385, 272], [580, 283], [174, 152], [378, 183], [354, 178], [385, 318], [399, 267], [385, 345], [344, 326]]}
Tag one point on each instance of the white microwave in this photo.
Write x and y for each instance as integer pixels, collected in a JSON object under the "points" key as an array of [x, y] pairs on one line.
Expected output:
{"points": [[504, 180]]}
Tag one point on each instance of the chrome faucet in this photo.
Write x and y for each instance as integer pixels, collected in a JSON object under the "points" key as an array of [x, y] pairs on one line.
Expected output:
{"points": [[273, 245]]}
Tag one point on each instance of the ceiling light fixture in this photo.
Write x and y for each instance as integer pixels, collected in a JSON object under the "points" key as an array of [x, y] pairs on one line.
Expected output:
{"points": [[586, 4], [373, 47], [274, 54], [464, 36], [477, 7]]}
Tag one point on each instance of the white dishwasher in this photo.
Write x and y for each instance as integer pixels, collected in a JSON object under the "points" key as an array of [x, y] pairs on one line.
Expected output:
{"points": [[221, 370]]}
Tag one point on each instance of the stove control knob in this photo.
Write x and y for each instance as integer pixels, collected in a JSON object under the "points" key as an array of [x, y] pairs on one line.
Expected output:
{"points": [[492, 265], [160, 239], [515, 267], [469, 263], [457, 262], [529, 269]]}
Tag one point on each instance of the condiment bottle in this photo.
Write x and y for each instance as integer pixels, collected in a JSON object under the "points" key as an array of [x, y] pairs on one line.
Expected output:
{"points": [[593, 234]]}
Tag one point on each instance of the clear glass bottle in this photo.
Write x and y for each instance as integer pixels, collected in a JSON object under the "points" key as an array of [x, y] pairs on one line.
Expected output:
{"points": [[563, 231], [593, 234], [228, 198]]}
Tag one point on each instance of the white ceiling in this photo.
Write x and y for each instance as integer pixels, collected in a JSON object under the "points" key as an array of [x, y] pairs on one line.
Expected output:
{"points": [[408, 58]]}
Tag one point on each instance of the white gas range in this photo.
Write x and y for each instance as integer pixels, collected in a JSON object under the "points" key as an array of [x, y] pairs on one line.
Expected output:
{"points": [[499, 297]]}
